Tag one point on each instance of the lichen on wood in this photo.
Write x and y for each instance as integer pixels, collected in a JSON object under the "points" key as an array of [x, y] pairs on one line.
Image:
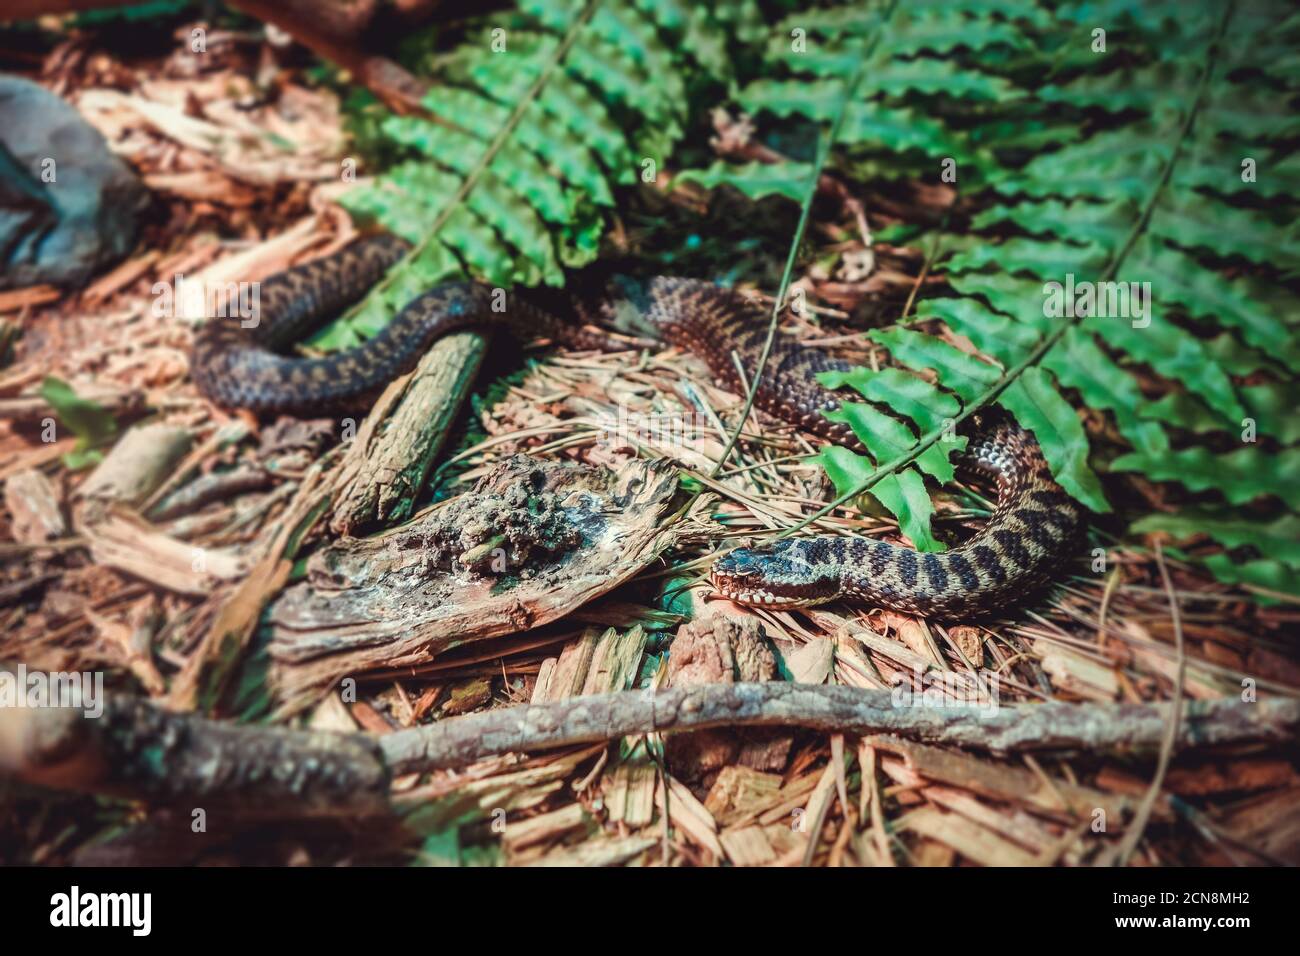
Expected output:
{"points": [[400, 598]]}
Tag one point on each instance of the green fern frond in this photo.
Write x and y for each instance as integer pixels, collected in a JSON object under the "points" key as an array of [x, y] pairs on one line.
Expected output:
{"points": [[755, 180], [538, 116], [1132, 168]]}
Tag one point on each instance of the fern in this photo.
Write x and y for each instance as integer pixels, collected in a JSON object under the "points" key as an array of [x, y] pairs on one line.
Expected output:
{"points": [[538, 116], [1124, 166], [1120, 166]]}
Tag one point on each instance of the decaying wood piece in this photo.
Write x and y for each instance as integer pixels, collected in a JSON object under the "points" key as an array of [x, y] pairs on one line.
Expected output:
{"points": [[1019, 728], [389, 458], [379, 478], [139, 751], [531, 542]]}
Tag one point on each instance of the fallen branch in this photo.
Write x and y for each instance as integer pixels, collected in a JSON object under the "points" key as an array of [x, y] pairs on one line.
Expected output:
{"points": [[137, 750], [837, 709], [334, 38], [218, 486], [329, 28]]}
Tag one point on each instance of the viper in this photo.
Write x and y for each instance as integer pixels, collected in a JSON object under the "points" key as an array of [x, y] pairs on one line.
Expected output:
{"points": [[243, 364]]}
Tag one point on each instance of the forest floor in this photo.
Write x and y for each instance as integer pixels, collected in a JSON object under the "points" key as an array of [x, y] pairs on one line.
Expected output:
{"points": [[244, 185]]}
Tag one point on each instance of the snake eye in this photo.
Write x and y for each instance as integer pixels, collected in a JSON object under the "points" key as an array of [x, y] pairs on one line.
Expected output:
{"points": [[739, 563]]}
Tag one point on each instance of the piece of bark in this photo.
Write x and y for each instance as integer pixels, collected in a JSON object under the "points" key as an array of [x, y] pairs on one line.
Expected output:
{"points": [[1268, 824], [33, 504], [403, 597], [141, 461], [1209, 778], [126, 543], [389, 458], [723, 649], [1063, 801]]}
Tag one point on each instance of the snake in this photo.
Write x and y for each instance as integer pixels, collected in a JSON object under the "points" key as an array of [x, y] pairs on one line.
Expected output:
{"points": [[243, 363]]}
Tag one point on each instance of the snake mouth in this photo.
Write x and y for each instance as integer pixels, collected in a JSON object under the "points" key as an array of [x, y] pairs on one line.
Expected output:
{"points": [[766, 577], [753, 595]]}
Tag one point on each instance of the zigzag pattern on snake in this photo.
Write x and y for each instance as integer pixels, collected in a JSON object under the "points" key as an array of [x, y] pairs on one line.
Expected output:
{"points": [[1033, 525]]}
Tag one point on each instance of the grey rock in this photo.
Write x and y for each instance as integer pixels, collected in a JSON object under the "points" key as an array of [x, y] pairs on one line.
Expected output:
{"points": [[60, 232]]}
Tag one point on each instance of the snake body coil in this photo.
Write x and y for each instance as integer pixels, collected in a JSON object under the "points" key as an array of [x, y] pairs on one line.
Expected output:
{"points": [[237, 365]]}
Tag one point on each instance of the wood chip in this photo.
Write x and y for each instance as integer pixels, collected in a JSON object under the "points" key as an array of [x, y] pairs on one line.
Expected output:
{"points": [[15, 300], [129, 545], [33, 504], [1062, 801], [119, 278], [630, 793], [740, 790], [747, 846], [812, 662], [1076, 673], [615, 661], [141, 461], [971, 840], [689, 815], [608, 852], [544, 828], [370, 719]]}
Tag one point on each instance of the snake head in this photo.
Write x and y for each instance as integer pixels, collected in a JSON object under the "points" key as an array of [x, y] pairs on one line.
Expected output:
{"points": [[787, 573]]}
